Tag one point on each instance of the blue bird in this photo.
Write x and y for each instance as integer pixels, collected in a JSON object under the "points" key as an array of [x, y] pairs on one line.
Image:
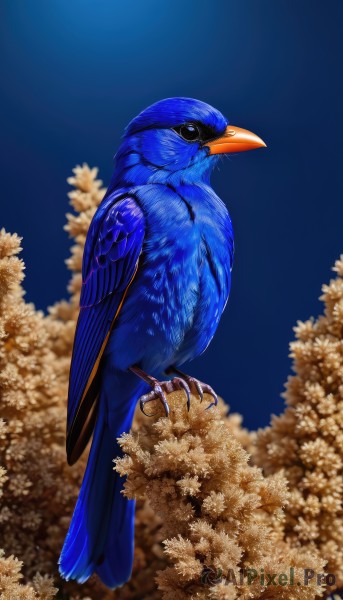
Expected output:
{"points": [[156, 277]]}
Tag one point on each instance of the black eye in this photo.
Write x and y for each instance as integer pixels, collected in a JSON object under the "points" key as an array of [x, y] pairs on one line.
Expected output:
{"points": [[189, 132], [196, 132]]}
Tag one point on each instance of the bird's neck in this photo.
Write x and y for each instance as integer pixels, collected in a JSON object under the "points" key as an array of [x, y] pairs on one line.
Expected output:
{"points": [[131, 170]]}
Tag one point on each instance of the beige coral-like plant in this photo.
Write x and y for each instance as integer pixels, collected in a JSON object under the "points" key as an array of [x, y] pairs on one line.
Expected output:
{"points": [[204, 511], [306, 442], [217, 511]]}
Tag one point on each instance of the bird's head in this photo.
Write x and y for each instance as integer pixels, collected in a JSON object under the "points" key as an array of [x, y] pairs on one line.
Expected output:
{"points": [[178, 139]]}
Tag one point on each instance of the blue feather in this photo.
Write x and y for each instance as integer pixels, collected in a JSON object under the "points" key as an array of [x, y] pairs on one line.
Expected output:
{"points": [[100, 537]]}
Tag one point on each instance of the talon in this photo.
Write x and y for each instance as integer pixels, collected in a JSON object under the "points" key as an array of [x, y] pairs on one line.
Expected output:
{"points": [[201, 388], [198, 388], [144, 400], [214, 396], [156, 394], [166, 408], [187, 391], [144, 413]]}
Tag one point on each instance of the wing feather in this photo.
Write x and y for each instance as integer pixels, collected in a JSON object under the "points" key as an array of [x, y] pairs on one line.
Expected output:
{"points": [[112, 250]]}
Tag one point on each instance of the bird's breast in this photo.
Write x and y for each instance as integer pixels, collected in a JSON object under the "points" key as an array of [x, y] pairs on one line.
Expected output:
{"points": [[176, 269]]}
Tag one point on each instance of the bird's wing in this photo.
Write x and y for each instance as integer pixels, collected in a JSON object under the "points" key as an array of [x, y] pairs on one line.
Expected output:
{"points": [[110, 261]]}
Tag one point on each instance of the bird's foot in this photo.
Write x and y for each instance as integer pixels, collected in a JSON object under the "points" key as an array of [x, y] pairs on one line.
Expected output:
{"points": [[160, 389], [197, 386], [202, 388]]}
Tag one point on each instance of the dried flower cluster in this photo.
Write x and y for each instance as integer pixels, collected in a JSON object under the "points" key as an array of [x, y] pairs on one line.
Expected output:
{"points": [[203, 512], [84, 198], [306, 442], [217, 511], [32, 428], [11, 588], [38, 490]]}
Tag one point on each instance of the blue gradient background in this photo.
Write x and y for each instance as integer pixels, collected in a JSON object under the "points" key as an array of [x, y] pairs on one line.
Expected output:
{"points": [[74, 72]]}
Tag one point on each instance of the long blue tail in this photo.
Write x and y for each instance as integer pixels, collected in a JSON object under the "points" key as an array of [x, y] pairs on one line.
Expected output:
{"points": [[101, 534]]}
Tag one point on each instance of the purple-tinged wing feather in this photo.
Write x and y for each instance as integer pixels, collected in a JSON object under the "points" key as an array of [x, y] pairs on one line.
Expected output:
{"points": [[112, 250]]}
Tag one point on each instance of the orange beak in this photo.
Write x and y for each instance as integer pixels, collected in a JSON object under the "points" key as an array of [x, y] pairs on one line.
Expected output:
{"points": [[235, 139]]}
